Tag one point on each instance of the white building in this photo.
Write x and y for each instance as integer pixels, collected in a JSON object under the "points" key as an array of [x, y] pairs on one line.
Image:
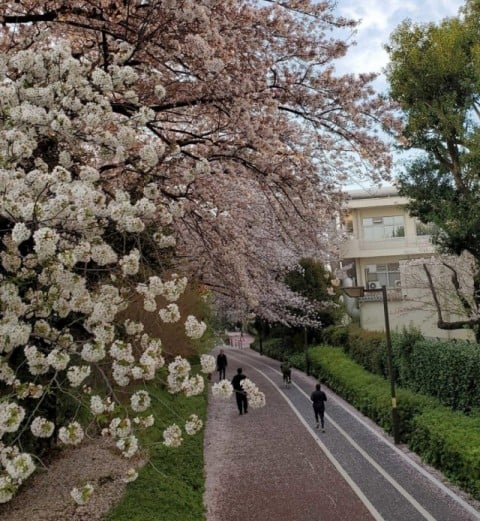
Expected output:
{"points": [[383, 237]]}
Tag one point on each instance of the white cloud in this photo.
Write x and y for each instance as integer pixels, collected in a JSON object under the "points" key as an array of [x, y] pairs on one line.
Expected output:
{"points": [[378, 19]]}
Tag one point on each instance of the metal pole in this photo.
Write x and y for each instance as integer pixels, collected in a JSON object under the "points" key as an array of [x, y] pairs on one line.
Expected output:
{"points": [[305, 344], [395, 419], [260, 337]]}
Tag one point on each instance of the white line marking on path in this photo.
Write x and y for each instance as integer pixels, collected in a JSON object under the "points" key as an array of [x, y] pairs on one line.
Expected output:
{"points": [[376, 515]]}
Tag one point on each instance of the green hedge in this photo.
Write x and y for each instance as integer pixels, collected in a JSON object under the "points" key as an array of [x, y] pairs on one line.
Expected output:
{"points": [[367, 392], [446, 370], [450, 441], [450, 371], [335, 335], [368, 348]]}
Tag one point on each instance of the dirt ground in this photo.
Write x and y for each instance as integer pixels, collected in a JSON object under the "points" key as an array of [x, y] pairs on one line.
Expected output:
{"points": [[46, 496]]}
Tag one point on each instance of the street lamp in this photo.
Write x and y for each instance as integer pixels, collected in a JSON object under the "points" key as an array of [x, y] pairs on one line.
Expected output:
{"points": [[305, 347], [359, 291]]}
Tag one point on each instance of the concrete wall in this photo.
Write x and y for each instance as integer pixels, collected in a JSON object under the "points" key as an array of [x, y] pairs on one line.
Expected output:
{"points": [[403, 314]]}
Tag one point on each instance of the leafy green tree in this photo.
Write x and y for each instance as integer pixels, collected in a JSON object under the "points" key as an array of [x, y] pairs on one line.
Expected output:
{"points": [[314, 282], [434, 75], [317, 307]]}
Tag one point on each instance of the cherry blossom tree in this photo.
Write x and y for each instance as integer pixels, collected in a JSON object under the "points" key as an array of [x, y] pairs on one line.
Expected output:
{"points": [[259, 129], [212, 134], [77, 248]]}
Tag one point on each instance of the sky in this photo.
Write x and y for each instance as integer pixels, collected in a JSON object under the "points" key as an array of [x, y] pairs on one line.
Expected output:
{"points": [[378, 19]]}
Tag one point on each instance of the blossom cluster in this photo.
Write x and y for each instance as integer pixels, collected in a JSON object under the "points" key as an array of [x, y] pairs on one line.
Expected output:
{"points": [[256, 398], [193, 425], [71, 434], [81, 496], [75, 247], [170, 290], [17, 467], [180, 380], [71, 257], [41, 427], [99, 405], [222, 389], [208, 363], [194, 328], [172, 436]]}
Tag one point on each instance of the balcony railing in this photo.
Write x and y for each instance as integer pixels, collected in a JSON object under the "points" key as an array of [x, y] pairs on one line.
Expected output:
{"points": [[421, 244], [393, 294], [399, 242]]}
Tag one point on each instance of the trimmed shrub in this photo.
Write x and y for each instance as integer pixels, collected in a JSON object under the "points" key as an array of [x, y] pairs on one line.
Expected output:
{"points": [[272, 347], [368, 392], [368, 348], [450, 441], [335, 335], [298, 360], [449, 371]]}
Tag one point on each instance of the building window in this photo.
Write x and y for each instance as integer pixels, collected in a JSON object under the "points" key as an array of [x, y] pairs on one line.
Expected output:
{"points": [[425, 229], [382, 228], [378, 275]]}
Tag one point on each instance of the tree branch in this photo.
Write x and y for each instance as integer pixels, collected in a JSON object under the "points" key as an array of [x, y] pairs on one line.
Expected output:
{"points": [[49, 16], [434, 294], [456, 284], [441, 324]]}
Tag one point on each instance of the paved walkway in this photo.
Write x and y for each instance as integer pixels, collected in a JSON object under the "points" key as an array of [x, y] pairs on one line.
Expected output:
{"points": [[273, 465]]}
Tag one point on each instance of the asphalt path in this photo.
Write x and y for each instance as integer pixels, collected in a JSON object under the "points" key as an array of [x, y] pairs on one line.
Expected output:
{"points": [[273, 464]]}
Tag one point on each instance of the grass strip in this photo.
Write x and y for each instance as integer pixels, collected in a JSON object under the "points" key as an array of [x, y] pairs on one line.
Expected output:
{"points": [[170, 487]]}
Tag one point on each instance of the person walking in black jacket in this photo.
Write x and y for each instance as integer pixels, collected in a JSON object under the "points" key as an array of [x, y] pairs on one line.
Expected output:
{"points": [[319, 398], [221, 364], [240, 394]]}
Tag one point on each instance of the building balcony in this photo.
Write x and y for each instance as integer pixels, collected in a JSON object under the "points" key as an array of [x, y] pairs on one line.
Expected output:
{"points": [[360, 248], [376, 296]]}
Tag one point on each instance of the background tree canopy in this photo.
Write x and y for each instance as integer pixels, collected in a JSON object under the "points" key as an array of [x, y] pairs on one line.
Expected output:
{"points": [[434, 75], [313, 281]]}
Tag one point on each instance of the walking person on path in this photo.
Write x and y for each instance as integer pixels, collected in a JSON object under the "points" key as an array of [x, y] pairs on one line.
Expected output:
{"points": [[240, 394], [319, 398], [286, 372], [221, 364]]}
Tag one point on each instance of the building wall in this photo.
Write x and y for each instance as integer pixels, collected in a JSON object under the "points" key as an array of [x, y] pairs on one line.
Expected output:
{"points": [[360, 247], [405, 309], [401, 315]]}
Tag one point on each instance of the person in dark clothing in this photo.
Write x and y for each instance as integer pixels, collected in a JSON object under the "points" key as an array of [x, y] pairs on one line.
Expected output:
{"points": [[240, 394], [286, 372], [319, 398], [221, 364]]}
